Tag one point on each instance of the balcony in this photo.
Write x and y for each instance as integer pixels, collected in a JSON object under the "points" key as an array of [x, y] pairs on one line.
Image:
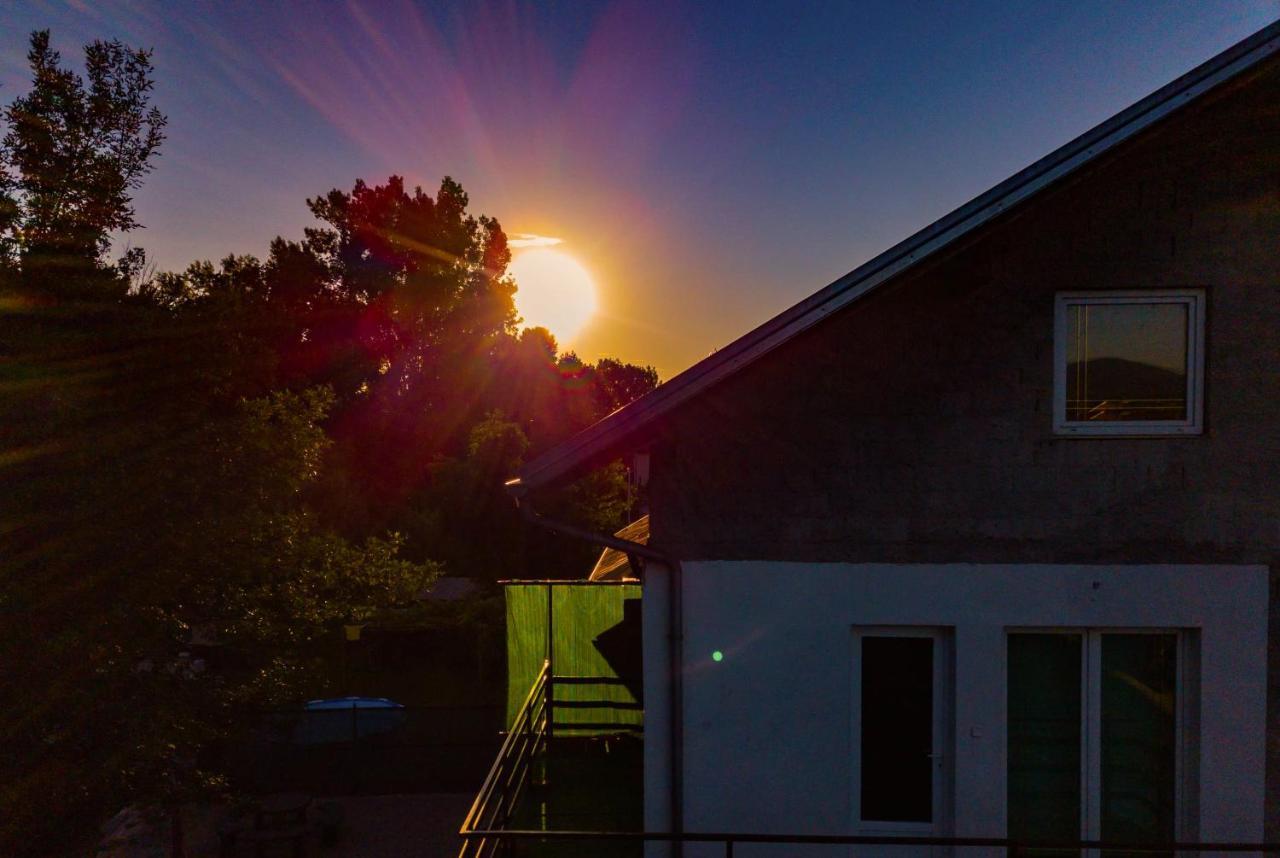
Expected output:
{"points": [[559, 771]]}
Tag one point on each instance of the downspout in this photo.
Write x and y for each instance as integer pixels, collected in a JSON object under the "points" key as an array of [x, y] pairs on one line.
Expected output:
{"points": [[675, 631]]}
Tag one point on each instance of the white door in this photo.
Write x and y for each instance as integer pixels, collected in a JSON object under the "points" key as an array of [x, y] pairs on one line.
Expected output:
{"points": [[901, 735]]}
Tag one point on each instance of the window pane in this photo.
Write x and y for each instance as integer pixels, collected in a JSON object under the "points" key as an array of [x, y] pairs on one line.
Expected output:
{"points": [[1139, 679], [1044, 737], [897, 729], [1126, 361]]}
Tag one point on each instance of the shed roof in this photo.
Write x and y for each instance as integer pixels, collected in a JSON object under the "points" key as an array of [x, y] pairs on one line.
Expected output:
{"points": [[608, 436], [613, 564]]}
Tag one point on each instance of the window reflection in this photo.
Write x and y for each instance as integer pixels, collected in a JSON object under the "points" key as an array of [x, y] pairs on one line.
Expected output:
{"points": [[1126, 361]]}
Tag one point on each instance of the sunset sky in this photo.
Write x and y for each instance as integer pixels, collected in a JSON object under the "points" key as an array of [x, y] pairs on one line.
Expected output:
{"points": [[709, 165]]}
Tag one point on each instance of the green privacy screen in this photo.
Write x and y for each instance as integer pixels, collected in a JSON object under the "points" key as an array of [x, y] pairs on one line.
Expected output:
{"points": [[578, 613]]}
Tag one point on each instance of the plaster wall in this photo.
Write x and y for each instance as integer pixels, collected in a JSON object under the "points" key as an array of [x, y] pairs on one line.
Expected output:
{"points": [[767, 737], [915, 426]]}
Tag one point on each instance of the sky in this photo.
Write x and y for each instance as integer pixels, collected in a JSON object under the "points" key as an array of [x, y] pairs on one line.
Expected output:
{"points": [[710, 164]]}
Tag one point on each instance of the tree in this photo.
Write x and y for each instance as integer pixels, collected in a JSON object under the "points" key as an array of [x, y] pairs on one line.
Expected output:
{"points": [[249, 558], [419, 286], [73, 154], [618, 383], [264, 449], [147, 496]]}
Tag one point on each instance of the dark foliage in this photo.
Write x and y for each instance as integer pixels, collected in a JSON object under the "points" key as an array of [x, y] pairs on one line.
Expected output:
{"points": [[234, 460], [73, 154]]}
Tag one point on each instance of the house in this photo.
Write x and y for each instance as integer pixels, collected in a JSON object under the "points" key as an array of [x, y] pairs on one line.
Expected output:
{"points": [[981, 539]]}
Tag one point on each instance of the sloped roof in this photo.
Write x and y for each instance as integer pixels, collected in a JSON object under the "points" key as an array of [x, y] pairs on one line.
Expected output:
{"points": [[606, 436], [613, 564]]}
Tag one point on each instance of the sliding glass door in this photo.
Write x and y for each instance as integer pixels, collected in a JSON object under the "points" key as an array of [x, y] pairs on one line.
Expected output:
{"points": [[1093, 730], [1046, 706]]}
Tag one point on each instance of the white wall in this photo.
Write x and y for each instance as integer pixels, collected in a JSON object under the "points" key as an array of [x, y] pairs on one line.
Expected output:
{"points": [[767, 730]]}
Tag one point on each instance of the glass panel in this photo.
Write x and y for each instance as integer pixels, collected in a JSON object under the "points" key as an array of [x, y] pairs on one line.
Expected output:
{"points": [[897, 729], [1044, 738], [1127, 361], [1139, 680]]}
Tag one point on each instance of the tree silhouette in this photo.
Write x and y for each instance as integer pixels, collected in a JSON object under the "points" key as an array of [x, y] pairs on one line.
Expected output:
{"points": [[72, 156]]}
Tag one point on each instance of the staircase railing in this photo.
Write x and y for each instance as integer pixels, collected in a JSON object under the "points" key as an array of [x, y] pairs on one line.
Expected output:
{"points": [[511, 771]]}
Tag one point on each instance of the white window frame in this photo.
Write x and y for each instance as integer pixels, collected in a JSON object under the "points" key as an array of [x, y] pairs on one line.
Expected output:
{"points": [[1194, 301]]}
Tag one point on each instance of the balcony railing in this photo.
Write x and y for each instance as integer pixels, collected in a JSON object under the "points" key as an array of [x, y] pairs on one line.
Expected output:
{"points": [[527, 759], [523, 760], [525, 745], [727, 841]]}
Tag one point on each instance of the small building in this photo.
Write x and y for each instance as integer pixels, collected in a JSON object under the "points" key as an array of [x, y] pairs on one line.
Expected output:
{"points": [[981, 539]]}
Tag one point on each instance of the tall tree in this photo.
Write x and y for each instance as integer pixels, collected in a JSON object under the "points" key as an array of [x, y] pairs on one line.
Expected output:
{"points": [[74, 153]]}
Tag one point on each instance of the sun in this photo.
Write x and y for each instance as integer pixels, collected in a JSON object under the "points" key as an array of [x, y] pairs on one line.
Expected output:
{"points": [[553, 291]]}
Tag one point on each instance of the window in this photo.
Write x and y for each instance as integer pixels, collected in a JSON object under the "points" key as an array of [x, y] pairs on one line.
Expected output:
{"points": [[1095, 726], [1129, 363]]}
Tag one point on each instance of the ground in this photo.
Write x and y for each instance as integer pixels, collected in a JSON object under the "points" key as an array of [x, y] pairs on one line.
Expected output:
{"points": [[382, 826]]}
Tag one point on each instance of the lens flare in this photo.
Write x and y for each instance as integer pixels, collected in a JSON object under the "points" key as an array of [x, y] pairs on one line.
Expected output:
{"points": [[554, 291]]}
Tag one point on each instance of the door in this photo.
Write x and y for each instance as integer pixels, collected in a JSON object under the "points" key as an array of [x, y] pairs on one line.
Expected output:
{"points": [[901, 734], [1096, 732]]}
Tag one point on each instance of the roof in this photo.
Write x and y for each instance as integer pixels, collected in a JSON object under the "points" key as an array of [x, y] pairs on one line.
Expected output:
{"points": [[606, 436], [614, 565]]}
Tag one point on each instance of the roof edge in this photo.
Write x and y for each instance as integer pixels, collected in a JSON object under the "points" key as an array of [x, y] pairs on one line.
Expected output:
{"points": [[598, 438]]}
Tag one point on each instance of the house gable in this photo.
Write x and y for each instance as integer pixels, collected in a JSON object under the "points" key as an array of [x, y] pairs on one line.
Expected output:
{"points": [[917, 425], [633, 423]]}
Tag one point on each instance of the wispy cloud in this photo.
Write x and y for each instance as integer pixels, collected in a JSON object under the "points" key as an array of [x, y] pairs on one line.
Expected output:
{"points": [[529, 239]]}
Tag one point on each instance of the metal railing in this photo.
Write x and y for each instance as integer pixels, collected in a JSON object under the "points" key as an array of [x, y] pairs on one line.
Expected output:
{"points": [[523, 757], [484, 832], [1011, 848], [570, 725], [511, 771]]}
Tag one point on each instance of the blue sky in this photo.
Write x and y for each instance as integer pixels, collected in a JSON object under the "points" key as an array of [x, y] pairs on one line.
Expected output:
{"points": [[711, 164]]}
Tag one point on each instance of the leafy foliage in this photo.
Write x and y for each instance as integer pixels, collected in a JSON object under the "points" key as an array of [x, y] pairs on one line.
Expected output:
{"points": [[246, 454], [73, 154], [262, 573]]}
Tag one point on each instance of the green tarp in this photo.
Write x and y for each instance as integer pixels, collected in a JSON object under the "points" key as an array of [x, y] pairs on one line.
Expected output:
{"points": [[578, 614]]}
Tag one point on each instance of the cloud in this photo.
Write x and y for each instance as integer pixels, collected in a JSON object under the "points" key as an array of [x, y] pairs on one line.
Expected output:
{"points": [[528, 239]]}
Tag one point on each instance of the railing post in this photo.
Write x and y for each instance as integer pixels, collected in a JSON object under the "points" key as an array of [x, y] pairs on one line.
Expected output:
{"points": [[728, 849], [551, 663], [550, 705]]}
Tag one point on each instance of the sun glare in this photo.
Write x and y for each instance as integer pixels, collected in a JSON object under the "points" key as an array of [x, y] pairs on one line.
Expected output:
{"points": [[553, 291]]}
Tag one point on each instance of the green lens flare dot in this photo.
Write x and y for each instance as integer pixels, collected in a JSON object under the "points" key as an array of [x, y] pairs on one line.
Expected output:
{"points": [[717, 656]]}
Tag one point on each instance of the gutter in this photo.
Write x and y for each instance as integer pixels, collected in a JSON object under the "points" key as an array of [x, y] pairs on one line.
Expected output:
{"points": [[675, 631]]}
